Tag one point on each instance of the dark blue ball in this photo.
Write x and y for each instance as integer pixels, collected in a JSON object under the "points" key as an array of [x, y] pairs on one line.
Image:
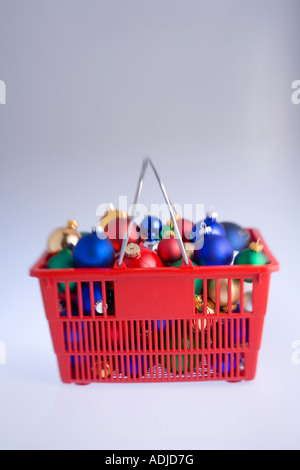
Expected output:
{"points": [[216, 251], [86, 299], [216, 228], [94, 252], [224, 364], [133, 365], [158, 324], [151, 228], [238, 236]]}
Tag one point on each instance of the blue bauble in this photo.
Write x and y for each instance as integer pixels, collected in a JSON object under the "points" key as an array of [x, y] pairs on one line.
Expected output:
{"points": [[224, 364], [216, 251], [158, 324], [73, 343], [94, 252], [210, 221], [151, 228], [238, 236], [133, 365], [86, 299], [238, 324]]}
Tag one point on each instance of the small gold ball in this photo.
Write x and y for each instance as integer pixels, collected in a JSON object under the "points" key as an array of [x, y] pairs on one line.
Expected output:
{"points": [[63, 238]]}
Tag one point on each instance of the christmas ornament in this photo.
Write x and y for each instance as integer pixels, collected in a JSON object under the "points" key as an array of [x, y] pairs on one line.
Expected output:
{"points": [[64, 238], [253, 255], [137, 256], [174, 359], [63, 260], [223, 291], [210, 310], [133, 365], [102, 369], [116, 230], [169, 250], [151, 228], [185, 228], [209, 221], [152, 245], [167, 230], [94, 252], [189, 249], [238, 236], [224, 360], [198, 282], [73, 338], [86, 299], [213, 250], [111, 214], [158, 323]]}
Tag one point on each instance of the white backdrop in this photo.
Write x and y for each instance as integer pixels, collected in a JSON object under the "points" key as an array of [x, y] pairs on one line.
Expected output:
{"points": [[92, 87]]}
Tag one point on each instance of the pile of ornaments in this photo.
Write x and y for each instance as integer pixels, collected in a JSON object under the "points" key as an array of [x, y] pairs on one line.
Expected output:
{"points": [[152, 244]]}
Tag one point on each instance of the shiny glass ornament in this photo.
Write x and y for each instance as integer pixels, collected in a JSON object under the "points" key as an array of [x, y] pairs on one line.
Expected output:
{"points": [[210, 310], [169, 250], [216, 251], [137, 256], [94, 252], [151, 228], [63, 260], [86, 299], [63, 238], [238, 236], [253, 255], [116, 230], [223, 291], [111, 214], [210, 221]]}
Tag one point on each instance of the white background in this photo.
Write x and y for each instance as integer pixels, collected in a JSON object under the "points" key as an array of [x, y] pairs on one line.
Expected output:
{"points": [[204, 88]]}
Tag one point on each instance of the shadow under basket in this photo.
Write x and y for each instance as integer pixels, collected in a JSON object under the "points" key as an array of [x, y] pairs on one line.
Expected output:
{"points": [[146, 325]]}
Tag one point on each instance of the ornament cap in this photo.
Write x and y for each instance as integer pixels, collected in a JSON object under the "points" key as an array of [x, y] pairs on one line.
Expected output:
{"points": [[132, 250], [256, 246], [72, 224]]}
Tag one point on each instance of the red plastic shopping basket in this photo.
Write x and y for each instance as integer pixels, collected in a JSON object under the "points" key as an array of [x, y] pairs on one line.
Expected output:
{"points": [[149, 329]]}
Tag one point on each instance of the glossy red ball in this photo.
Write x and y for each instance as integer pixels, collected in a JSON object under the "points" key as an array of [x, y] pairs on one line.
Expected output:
{"points": [[141, 257], [116, 230], [185, 227], [168, 250]]}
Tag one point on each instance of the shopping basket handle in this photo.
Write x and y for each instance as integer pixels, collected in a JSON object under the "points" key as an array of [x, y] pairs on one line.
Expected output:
{"points": [[147, 161]]}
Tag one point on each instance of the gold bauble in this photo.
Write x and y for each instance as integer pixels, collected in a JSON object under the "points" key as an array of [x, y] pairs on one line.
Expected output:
{"points": [[210, 310], [223, 291], [102, 370], [63, 238], [112, 214]]}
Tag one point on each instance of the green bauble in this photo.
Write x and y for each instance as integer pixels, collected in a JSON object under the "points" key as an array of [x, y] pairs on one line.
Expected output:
{"points": [[63, 260], [252, 255], [198, 282], [175, 358], [167, 230]]}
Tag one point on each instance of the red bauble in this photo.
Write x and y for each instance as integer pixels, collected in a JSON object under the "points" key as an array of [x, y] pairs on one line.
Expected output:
{"points": [[168, 250], [116, 230], [137, 256], [185, 227]]}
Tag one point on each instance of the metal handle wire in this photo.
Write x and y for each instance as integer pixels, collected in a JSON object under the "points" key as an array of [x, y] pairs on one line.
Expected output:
{"points": [[147, 161]]}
